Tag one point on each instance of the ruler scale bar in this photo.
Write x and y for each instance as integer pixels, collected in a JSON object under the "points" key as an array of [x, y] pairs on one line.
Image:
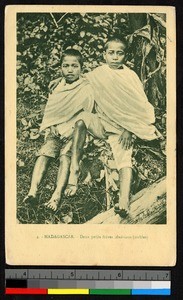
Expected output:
{"points": [[79, 274]]}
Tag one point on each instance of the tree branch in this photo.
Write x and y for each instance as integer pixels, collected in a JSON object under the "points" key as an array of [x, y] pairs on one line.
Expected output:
{"points": [[152, 73], [61, 18], [53, 18]]}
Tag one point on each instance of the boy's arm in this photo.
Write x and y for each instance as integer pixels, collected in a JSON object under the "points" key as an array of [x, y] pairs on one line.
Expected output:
{"points": [[126, 139], [52, 129]]}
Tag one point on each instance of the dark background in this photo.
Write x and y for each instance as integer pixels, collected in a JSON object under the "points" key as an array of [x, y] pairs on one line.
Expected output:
{"points": [[177, 275]]}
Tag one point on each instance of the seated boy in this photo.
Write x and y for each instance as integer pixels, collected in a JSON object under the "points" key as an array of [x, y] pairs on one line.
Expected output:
{"points": [[123, 110], [66, 107]]}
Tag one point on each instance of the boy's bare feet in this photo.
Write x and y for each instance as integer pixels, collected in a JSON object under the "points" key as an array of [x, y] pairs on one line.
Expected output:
{"points": [[72, 186], [71, 190], [54, 202], [123, 212], [30, 200]]}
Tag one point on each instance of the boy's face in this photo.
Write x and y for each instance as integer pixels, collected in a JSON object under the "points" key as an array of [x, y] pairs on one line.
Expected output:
{"points": [[115, 54], [71, 68]]}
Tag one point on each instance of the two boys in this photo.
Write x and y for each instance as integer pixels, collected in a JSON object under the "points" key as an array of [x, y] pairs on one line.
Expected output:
{"points": [[122, 109]]}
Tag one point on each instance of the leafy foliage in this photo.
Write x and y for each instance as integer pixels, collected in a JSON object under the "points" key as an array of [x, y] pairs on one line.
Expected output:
{"points": [[41, 39]]}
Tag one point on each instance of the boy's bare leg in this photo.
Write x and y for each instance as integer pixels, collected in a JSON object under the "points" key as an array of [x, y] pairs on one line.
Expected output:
{"points": [[125, 178], [39, 171], [79, 137], [62, 179]]}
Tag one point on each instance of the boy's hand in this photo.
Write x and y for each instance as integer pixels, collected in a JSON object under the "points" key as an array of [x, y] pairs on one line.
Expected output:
{"points": [[126, 139], [54, 130]]}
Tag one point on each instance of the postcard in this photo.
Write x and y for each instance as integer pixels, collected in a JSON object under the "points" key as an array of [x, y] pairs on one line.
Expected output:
{"points": [[90, 135]]}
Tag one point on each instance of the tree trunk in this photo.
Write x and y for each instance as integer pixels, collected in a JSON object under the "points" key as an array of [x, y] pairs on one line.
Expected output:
{"points": [[146, 207]]}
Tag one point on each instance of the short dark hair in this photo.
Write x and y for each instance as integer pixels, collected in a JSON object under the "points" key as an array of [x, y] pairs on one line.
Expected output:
{"points": [[117, 39], [73, 52]]}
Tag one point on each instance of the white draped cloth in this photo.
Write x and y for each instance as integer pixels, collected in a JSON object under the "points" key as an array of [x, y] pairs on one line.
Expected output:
{"points": [[120, 98], [67, 101]]}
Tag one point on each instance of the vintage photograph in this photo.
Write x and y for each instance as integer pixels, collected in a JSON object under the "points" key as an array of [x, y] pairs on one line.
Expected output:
{"points": [[91, 118], [90, 115]]}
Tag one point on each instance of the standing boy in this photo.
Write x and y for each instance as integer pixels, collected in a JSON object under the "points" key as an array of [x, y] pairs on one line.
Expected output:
{"points": [[66, 107]]}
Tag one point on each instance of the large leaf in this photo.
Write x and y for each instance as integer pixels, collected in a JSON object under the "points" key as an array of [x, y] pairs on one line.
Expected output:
{"points": [[144, 31], [159, 20]]}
